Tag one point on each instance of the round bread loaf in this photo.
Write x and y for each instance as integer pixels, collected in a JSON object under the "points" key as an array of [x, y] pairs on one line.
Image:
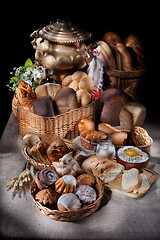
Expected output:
{"points": [[109, 105]]}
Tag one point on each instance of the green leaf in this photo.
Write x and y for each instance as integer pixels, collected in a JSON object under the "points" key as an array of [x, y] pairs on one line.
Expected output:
{"points": [[28, 63], [13, 79]]}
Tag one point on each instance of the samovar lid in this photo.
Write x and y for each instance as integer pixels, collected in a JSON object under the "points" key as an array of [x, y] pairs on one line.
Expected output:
{"points": [[63, 32]]}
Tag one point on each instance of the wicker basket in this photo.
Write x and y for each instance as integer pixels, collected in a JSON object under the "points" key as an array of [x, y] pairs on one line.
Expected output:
{"points": [[40, 166], [69, 216], [15, 103], [64, 125], [129, 82]]}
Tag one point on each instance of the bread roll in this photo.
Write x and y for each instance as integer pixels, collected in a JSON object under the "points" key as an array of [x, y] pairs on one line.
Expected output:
{"points": [[83, 97], [43, 106], [102, 167], [132, 114], [26, 96], [66, 99], [107, 128], [109, 61], [93, 134], [78, 75], [112, 38], [119, 138], [66, 81], [74, 85], [86, 125], [86, 83]]}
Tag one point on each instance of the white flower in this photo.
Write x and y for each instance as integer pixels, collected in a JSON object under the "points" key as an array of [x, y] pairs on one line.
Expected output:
{"points": [[23, 77], [36, 74]]}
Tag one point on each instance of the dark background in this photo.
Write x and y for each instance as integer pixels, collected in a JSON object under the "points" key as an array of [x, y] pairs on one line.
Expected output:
{"points": [[18, 22]]}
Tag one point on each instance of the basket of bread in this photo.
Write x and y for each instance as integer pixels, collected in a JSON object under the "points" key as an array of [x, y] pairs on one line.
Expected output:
{"points": [[124, 62], [53, 108]]}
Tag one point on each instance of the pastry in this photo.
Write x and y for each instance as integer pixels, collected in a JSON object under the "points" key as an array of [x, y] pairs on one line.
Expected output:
{"points": [[45, 178], [68, 202], [30, 140], [57, 149], [102, 167], [66, 99], [140, 137], [132, 114], [67, 165], [109, 105], [86, 194], [65, 184], [131, 180], [43, 106], [39, 152], [26, 96], [86, 179], [47, 197]]}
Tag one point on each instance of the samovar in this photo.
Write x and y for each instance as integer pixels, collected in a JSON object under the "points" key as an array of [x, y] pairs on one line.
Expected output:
{"points": [[59, 46]]}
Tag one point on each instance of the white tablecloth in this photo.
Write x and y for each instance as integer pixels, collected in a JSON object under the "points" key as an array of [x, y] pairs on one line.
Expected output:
{"points": [[119, 218]]}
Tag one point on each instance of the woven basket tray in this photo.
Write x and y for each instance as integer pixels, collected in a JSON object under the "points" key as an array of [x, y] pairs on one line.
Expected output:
{"points": [[129, 82], [40, 166], [64, 125], [69, 216]]}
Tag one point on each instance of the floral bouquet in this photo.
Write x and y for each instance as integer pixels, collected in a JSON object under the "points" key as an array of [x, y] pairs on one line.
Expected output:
{"points": [[29, 73]]}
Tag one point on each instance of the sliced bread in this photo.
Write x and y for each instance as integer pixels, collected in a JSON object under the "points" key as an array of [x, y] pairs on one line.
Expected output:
{"points": [[144, 185], [131, 180]]}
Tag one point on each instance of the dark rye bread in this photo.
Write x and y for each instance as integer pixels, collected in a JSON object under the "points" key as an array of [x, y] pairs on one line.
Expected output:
{"points": [[66, 99], [109, 105]]}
